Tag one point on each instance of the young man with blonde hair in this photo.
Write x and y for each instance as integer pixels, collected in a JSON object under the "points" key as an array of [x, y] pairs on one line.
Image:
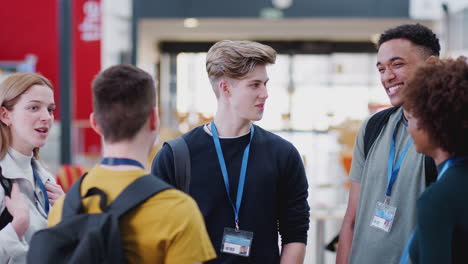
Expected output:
{"points": [[249, 183]]}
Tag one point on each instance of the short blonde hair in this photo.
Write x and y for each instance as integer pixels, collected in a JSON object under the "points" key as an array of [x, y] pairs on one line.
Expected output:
{"points": [[10, 91], [236, 58]]}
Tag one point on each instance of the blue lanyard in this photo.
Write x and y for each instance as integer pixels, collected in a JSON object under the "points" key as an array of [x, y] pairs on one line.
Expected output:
{"points": [[43, 189], [449, 163], [404, 258], [394, 169], [222, 163], [121, 161]]}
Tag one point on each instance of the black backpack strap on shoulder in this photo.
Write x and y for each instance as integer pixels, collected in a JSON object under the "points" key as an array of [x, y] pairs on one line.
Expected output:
{"points": [[375, 125], [6, 183], [5, 217], [430, 170], [72, 203], [373, 128], [182, 164], [136, 193]]}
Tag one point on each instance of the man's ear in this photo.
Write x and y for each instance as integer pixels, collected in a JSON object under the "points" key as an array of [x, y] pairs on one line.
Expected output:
{"points": [[94, 125], [224, 87], [5, 116], [432, 59], [154, 119]]}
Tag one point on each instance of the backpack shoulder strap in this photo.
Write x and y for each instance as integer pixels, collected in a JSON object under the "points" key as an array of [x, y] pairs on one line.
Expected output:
{"points": [[6, 183], [72, 203], [182, 164], [136, 193], [374, 126], [5, 216], [430, 170]]}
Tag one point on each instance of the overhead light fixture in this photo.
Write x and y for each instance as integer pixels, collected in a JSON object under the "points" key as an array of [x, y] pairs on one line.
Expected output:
{"points": [[282, 4], [191, 23]]}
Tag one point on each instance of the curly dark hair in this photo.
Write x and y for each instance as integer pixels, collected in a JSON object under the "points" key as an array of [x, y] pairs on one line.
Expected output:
{"points": [[437, 95], [416, 33]]}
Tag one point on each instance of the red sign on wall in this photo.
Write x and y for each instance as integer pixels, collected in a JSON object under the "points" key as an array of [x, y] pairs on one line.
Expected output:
{"points": [[35, 32], [31, 27], [87, 63]]}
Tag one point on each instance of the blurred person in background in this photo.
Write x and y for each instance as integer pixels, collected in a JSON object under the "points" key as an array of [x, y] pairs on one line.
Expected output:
{"points": [[27, 190], [436, 103], [249, 183], [387, 180]]}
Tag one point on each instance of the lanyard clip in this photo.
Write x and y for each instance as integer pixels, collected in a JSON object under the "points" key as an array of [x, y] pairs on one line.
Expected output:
{"points": [[237, 226], [387, 200]]}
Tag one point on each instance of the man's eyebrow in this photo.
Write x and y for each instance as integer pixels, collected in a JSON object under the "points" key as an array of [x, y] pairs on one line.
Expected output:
{"points": [[391, 60], [252, 81]]}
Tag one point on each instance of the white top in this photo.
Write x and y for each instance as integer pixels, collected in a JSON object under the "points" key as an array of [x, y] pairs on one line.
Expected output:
{"points": [[17, 167], [24, 164]]}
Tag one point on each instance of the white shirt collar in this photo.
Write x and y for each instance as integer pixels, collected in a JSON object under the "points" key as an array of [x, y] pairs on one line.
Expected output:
{"points": [[17, 165]]}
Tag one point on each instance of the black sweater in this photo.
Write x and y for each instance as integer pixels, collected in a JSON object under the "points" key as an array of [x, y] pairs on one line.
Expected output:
{"points": [[442, 229], [275, 192]]}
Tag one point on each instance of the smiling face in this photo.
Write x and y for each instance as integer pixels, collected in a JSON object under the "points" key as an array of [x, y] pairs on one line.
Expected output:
{"points": [[248, 96], [30, 119], [397, 59]]}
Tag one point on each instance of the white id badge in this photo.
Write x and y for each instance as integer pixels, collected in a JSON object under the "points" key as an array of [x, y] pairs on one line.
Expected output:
{"points": [[384, 216], [236, 242]]}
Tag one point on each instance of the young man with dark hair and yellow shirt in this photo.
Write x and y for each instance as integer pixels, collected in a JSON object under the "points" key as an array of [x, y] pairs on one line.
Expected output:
{"points": [[166, 228]]}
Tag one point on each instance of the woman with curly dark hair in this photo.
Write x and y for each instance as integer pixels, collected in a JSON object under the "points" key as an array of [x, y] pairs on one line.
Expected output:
{"points": [[436, 105]]}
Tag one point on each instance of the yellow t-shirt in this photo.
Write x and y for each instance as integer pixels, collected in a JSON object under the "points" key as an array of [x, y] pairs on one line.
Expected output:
{"points": [[167, 228]]}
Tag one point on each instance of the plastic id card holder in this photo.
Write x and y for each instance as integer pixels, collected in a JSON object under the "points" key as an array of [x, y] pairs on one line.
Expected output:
{"points": [[236, 242], [384, 216]]}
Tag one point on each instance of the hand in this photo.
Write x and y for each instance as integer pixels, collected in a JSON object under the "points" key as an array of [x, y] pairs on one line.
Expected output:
{"points": [[54, 191], [17, 205]]}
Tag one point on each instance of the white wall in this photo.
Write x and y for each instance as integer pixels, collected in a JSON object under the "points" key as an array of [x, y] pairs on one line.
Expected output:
{"points": [[432, 9], [116, 30]]}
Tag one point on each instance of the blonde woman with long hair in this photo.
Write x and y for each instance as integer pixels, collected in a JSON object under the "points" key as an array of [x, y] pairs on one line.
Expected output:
{"points": [[27, 190]]}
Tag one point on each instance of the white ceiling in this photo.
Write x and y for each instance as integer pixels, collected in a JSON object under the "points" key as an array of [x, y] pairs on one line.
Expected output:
{"points": [[326, 29]]}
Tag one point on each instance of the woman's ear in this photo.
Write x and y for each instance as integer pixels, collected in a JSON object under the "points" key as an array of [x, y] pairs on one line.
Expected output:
{"points": [[94, 125], [5, 116]]}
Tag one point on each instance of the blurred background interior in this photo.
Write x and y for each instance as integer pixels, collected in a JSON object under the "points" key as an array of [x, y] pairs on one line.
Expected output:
{"points": [[322, 86]]}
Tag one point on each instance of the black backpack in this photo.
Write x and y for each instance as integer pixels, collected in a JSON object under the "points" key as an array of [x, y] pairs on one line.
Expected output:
{"points": [[91, 238], [182, 165], [373, 128]]}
